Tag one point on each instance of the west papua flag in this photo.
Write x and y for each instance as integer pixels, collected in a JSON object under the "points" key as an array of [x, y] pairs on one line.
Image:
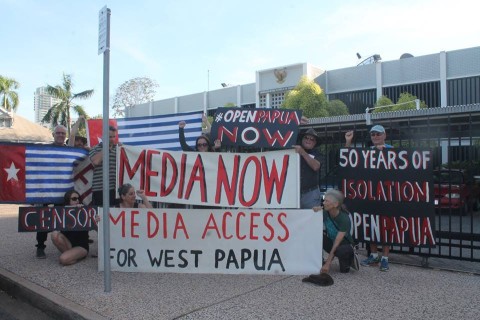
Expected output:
{"points": [[35, 173], [153, 132]]}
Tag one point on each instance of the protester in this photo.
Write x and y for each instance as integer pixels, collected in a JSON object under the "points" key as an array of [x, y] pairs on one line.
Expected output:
{"points": [[202, 143], [310, 168], [59, 136], [75, 140], [72, 244], [128, 196], [377, 136], [206, 126], [96, 156], [337, 240]]}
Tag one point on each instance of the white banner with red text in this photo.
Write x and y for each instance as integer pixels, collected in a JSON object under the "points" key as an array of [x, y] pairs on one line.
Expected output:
{"points": [[240, 241], [254, 180]]}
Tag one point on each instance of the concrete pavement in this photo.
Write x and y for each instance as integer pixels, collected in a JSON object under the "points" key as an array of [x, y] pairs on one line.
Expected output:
{"points": [[77, 292]]}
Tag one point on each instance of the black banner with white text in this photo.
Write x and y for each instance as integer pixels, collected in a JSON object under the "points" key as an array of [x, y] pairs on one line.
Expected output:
{"points": [[390, 195], [260, 128], [35, 219]]}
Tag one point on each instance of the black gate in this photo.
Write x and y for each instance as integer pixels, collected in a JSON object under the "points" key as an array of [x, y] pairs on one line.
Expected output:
{"points": [[453, 133]]}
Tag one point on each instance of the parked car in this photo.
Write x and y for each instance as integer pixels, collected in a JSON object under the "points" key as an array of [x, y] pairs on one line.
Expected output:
{"points": [[476, 189], [454, 189]]}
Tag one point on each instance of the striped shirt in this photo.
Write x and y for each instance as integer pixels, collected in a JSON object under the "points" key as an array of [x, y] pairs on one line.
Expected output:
{"points": [[97, 183]]}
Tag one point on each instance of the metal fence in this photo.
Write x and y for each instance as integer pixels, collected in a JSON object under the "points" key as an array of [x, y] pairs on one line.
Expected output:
{"points": [[452, 133]]}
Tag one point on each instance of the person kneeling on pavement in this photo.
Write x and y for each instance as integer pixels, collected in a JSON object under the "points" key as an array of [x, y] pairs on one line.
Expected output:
{"points": [[337, 240]]}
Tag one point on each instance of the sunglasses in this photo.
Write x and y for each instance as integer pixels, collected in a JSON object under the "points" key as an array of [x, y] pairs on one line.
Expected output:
{"points": [[74, 198], [202, 144], [376, 134], [309, 138]]}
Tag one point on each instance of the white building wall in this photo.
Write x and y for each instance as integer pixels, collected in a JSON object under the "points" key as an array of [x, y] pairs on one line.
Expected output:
{"points": [[271, 84]]}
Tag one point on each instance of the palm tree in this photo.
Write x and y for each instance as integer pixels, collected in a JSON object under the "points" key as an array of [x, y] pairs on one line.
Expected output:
{"points": [[9, 97], [59, 113]]}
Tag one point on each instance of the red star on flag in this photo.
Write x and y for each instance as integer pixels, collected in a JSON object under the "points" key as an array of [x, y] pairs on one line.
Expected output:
{"points": [[12, 173]]}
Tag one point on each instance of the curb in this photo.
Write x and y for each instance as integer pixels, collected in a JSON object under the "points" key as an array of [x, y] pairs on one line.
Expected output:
{"points": [[51, 303]]}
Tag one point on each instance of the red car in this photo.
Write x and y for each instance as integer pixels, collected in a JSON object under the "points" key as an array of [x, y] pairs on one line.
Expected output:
{"points": [[454, 190]]}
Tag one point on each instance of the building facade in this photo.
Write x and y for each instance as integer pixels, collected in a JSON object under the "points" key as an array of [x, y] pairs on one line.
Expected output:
{"points": [[441, 79], [42, 103]]}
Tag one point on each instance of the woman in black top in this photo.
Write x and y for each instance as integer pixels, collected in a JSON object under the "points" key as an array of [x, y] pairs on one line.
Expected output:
{"points": [[72, 244], [202, 144]]}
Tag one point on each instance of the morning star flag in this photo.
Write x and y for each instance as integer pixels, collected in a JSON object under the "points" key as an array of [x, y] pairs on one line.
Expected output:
{"points": [[152, 132], [36, 173]]}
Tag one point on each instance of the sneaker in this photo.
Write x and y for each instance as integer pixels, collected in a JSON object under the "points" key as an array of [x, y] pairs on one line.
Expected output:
{"points": [[371, 261], [384, 265], [40, 253], [355, 264]]}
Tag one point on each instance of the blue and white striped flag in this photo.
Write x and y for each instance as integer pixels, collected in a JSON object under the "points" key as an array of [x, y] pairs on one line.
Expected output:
{"points": [[49, 172], [35, 173], [161, 131]]}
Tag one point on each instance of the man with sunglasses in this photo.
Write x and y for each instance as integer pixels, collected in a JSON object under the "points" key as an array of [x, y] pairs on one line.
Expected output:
{"points": [[378, 136], [310, 195]]}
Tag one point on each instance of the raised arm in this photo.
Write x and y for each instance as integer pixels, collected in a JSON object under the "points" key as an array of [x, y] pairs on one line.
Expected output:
{"points": [[146, 203], [181, 137], [206, 124], [348, 138], [74, 131]]}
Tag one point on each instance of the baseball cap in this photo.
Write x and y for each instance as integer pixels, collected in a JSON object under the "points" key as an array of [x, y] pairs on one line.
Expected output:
{"points": [[378, 128]]}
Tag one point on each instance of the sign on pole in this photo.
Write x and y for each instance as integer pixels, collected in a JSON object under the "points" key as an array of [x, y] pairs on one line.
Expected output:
{"points": [[102, 30]]}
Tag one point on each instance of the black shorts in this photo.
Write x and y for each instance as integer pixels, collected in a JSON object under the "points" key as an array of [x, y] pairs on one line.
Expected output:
{"points": [[77, 238]]}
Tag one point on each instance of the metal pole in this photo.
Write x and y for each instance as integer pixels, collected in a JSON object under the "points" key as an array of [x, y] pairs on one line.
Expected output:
{"points": [[106, 161], [368, 119]]}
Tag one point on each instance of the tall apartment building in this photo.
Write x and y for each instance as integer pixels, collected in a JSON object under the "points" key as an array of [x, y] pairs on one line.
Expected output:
{"points": [[42, 103]]}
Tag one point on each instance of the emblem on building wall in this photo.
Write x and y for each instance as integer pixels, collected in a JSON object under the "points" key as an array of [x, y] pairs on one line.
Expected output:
{"points": [[280, 75]]}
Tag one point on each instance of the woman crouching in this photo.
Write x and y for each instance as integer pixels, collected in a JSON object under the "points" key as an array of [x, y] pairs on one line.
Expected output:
{"points": [[337, 240]]}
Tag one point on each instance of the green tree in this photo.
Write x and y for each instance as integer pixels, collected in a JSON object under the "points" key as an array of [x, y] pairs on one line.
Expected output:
{"points": [[406, 101], [382, 103], [308, 97], [9, 96], [337, 108], [409, 100], [132, 92], [60, 112]]}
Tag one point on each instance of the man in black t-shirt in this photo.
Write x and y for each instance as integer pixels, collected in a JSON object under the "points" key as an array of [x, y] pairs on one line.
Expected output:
{"points": [[309, 169]]}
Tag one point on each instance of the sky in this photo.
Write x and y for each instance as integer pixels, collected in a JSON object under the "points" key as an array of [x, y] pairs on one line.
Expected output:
{"points": [[191, 46]]}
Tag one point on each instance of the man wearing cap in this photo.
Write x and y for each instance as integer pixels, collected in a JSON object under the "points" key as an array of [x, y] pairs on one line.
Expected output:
{"points": [[378, 136], [309, 169]]}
